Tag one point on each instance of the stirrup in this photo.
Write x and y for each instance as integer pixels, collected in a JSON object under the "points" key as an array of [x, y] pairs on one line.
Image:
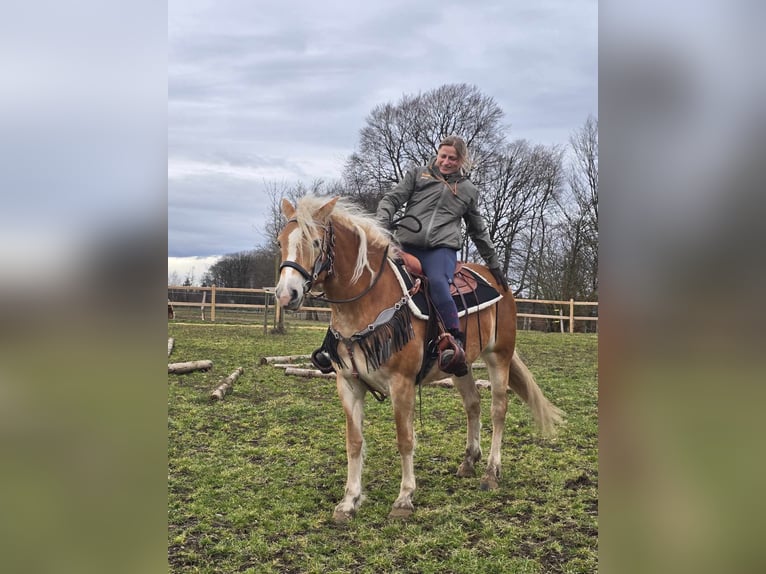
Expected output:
{"points": [[451, 355], [321, 360]]}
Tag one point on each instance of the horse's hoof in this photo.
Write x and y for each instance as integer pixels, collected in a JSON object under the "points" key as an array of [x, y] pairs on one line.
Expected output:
{"points": [[488, 483], [400, 513], [465, 471], [342, 517]]}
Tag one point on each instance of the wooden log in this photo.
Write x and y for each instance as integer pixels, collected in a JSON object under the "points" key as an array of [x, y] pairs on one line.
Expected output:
{"points": [[224, 385], [189, 367], [309, 373], [293, 365], [448, 384], [444, 383], [171, 342], [285, 359]]}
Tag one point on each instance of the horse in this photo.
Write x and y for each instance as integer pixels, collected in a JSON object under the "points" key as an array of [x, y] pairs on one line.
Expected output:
{"points": [[332, 245]]}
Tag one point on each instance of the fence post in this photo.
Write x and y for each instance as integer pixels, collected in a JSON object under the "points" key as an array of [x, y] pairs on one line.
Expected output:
{"points": [[571, 315], [277, 312], [265, 313], [212, 303], [561, 321]]}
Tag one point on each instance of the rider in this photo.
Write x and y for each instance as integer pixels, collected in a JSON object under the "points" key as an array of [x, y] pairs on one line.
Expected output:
{"points": [[439, 195]]}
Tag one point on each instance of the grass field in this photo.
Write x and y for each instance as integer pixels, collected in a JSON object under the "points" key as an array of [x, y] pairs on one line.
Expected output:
{"points": [[253, 480]]}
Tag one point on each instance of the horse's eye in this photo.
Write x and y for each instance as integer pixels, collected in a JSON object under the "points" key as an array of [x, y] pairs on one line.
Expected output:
{"points": [[316, 243]]}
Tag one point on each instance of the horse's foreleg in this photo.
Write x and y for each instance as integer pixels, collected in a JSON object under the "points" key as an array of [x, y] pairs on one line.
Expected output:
{"points": [[499, 409], [353, 404], [403, 402], [472, 403]]}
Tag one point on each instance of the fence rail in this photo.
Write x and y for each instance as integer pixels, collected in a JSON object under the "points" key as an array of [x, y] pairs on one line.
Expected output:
{"points": [[212, 298]]}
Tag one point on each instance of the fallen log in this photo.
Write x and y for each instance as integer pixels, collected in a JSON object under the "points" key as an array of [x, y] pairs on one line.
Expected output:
{"points": [[189, 367], [448, 384], [308, 373], [224, 385], [285, 359], [171, 342]]}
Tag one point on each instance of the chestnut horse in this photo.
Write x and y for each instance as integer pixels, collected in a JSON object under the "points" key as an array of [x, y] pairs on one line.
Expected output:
{"points": [[332, 245]]}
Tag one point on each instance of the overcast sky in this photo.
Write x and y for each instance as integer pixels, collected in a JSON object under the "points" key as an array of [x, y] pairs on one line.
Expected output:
{"points": [[276, 92]]}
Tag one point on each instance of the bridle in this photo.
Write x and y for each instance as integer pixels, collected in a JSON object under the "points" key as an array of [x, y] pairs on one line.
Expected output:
{"points": [[325, 262]]}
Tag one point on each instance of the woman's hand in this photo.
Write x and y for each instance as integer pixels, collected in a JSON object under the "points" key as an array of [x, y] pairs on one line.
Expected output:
{"points": [[499, 277]]}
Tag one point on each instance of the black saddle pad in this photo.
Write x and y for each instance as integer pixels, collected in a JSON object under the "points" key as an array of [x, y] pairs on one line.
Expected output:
{"points": [[484, 295]]}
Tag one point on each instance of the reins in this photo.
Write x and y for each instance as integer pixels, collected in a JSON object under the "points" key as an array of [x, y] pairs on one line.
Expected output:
{"points": [[398, 223], [395, 223], [375, 279]]}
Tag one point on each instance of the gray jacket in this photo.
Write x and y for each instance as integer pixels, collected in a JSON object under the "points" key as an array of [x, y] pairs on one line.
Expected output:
{"points": [[439, 203]]}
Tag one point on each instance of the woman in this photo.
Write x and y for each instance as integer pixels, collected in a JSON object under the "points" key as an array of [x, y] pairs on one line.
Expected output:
{"points": [[439, 195]]}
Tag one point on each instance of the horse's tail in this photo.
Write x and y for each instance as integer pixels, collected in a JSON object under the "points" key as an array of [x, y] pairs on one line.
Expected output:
{"points": [[522, 382]]}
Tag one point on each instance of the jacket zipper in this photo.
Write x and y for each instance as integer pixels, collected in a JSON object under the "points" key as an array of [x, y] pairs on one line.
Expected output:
{"points": [[433, 216]]}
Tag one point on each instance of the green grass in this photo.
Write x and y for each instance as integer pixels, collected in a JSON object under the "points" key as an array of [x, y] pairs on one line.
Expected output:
{"points": [[253, 480]]}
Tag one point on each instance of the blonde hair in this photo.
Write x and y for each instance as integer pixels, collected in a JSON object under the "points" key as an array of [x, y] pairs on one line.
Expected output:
{"points": [[460, 147]]}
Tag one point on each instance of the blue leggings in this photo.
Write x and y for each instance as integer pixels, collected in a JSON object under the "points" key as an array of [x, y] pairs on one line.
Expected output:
{"points": [[439, 266]]}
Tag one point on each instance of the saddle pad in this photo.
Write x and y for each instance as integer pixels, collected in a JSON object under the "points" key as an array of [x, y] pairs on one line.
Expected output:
{"points": [[484, 295]]}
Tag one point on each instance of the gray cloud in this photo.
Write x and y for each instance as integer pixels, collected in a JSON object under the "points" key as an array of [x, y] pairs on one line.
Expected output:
{"points": [[279, 92]]}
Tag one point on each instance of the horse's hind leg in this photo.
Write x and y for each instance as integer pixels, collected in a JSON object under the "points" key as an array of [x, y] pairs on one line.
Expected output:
{"points": [[472, 403], [498, 376], [403, 401], [352, 398]]}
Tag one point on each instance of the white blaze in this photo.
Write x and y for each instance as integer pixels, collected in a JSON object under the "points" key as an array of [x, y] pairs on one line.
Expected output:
{"points": [[290, 279]]}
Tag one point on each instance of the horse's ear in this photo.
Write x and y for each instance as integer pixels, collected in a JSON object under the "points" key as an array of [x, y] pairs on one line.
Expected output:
{"points": [[324, 212], [287, 209]]}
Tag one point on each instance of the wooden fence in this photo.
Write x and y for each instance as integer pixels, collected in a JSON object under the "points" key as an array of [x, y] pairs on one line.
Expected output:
{"points": [[209, 300]]}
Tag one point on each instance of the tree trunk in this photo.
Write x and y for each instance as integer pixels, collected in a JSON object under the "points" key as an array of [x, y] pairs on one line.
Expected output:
{"points": [[225, 385], [309, 373], [284, 359], [189, 367]]}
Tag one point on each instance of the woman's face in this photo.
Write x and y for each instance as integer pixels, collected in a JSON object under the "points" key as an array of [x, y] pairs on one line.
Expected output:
{"points": [[447, 160]]}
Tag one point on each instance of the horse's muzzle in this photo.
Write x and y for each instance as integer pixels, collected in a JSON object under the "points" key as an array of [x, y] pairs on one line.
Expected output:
{"points": [[296, 300], [289, 297]]}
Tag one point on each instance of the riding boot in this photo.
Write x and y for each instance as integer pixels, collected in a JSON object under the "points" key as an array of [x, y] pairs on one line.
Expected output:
{"points": [[321, 360], [452, 353]]}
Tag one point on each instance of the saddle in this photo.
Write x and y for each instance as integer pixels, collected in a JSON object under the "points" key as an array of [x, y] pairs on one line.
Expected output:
{"points": [[470, 291], [464, 281]]}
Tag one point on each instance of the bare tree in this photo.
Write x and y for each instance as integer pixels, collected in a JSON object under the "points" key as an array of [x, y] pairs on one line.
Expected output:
{"points": [[582, 273], [518, 184], [399, 136], [246, 269], [572, 253]]}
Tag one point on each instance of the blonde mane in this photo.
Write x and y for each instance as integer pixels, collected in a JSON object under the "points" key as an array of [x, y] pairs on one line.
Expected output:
{"points": [[350, 216]]}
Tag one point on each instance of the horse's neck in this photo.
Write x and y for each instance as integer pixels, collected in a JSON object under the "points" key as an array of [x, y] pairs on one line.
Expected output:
{"points": [[363, 311]]}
